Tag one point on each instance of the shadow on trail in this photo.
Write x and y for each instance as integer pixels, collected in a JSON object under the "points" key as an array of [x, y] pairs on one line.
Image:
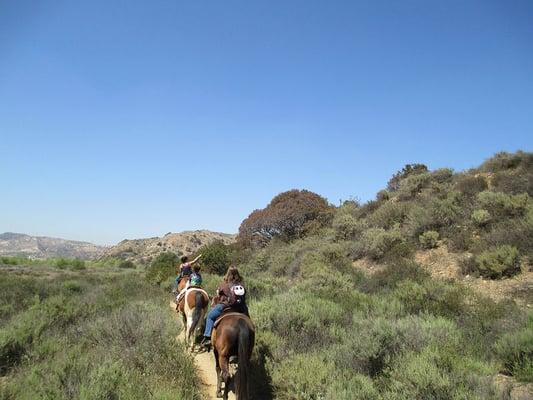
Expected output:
{"points": [[260, 382]]}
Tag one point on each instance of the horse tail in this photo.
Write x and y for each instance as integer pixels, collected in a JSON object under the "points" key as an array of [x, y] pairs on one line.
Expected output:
{"points": [[197, 312], [243, 354]]}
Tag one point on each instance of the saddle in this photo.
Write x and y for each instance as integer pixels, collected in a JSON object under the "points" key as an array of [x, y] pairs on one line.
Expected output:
{"points": [[230, 312], [181, 296]]}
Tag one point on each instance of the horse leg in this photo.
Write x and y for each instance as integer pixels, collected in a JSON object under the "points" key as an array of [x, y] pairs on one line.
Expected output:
{"points": [[219, 378], [184, 321], [224, 374]]}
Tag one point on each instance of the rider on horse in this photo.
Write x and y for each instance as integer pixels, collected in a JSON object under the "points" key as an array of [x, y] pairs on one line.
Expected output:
{"points": [[230, 296], [195, 280], [184, 269]]}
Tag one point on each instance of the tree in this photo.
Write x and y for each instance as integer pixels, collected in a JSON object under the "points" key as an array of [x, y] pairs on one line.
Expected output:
{"points": [[285, 217]]}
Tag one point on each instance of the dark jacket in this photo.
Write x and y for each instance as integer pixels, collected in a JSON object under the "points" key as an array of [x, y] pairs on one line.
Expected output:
{"points": [[224, 295]]}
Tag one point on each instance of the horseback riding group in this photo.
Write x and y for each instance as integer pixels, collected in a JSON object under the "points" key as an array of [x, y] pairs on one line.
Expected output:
{"points": [[228, 327]]}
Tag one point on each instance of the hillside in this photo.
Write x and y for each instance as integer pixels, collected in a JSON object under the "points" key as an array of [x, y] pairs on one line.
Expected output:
{"points": [[18, 244], [145, 250]]}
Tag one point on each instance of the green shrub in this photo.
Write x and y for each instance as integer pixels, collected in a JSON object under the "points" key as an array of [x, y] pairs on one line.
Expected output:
{"points": [[389, 214], [502, 261], [516, 351], [470, 185], [215, 257], [413, 185], [506, 161], [408, 170], [127, 264], [352, 387], [302, 377], [429, 239], [304, 324], [517, 232], [503, 205], [376, 243], [435, 373], [480, 217], [162, 268], [347, 227], [75, 264], [513, 182]]}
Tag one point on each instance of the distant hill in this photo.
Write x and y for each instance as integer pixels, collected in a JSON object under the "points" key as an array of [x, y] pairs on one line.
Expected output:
{"points": [[18, 244], [145, 250]]}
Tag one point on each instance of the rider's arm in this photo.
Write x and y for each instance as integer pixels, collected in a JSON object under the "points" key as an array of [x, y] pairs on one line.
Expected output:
{"points": [[196, 259]]}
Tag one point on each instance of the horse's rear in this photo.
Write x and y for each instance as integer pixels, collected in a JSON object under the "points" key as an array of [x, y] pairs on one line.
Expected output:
{"points": [[193, 308], [233, 336]]}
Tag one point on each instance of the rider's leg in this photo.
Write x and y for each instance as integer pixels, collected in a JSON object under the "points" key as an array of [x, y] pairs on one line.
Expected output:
{"points": [[215, 312]]}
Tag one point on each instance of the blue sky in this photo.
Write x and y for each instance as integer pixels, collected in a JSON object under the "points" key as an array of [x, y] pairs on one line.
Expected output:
{"points": [[136, 118]]}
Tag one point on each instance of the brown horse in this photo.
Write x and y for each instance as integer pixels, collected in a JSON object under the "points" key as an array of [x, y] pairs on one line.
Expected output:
{"points": [[193, 307], [233, 335], [182, 282]]}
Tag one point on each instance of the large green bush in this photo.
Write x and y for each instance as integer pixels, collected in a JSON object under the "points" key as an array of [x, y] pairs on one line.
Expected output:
{"points": [[499, 262], [429, 239], [480, 217], [378, 243], [516, 351], [215, 257], [503, 205], [162, 268]]}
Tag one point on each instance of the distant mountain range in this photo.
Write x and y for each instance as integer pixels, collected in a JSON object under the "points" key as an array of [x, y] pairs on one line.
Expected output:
{"points": [[137, 250], [18, 244]]}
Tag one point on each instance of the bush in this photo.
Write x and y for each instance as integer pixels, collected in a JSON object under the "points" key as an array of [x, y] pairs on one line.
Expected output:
{"points": [[302, 377], [389, 214], [128, 264], [503, 205], [513, 182], [480, 217], [516, 351], [75, 264], [215, 257], [502, 261], [285, 217], [162, 268], [413, 185], [429, 239], [506, 161], [409, 170], [471, 185], [376, 243], [348, 227]]}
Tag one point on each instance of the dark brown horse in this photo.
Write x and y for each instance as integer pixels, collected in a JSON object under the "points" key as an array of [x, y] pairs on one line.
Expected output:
{"points": [[233, 335], [193, 307]]}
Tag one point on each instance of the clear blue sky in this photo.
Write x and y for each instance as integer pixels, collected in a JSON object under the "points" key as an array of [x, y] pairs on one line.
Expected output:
{"points": [[123, 119]]}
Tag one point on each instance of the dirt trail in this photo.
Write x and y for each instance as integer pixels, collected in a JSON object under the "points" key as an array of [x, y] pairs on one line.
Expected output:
{"points": [[205, 366]]}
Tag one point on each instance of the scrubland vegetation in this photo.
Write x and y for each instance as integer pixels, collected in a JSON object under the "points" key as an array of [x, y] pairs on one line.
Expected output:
{"points": [[88, 334], [325, 329]]}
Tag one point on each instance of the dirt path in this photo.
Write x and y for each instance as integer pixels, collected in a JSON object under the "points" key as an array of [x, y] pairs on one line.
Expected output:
{"points": [[205, 366]]}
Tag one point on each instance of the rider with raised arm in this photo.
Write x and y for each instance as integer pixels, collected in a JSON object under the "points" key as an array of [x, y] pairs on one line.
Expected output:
{"points": [[184, 269], [231, 294]]}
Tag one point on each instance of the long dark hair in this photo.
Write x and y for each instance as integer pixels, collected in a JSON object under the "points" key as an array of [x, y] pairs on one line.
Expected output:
{"points": [[232, 275]]}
